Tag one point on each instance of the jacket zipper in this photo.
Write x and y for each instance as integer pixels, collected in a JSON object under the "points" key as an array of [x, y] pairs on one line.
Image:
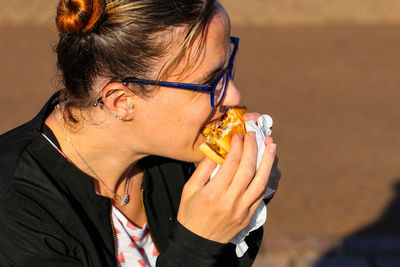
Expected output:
{"points": [[114, 237], [147, 220], [113, 229]]}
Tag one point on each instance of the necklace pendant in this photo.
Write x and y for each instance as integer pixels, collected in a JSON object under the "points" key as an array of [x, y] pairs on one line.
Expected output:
{"points": [[124, 200]]}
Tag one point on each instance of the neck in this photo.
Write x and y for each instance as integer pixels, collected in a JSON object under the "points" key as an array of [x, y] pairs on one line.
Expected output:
{"points": [[94, 150]]}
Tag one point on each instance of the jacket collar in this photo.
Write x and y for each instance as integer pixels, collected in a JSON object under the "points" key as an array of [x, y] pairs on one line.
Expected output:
{"points": [[38, 121], [71, 178], [76, 184]]}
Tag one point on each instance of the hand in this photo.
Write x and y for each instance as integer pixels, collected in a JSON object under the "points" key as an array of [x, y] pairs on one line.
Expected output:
{"points": [[219, 209]]}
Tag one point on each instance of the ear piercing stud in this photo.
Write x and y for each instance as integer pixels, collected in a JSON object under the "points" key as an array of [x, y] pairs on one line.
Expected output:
{"points": [[130, 106], [115, 115]]}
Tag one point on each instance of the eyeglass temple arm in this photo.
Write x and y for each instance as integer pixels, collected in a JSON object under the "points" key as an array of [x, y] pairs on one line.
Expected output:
{"points": [[188, 86]]}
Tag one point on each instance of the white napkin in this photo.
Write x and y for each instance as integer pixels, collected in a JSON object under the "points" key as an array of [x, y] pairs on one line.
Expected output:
{"points": [[262, 128]]}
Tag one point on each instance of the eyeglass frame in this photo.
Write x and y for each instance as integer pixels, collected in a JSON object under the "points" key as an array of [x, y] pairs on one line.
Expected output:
{"points": [[189, 86]]}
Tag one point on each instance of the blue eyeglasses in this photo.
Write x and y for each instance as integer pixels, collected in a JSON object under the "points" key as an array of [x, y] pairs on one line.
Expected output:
{"points": [[217, 88]]}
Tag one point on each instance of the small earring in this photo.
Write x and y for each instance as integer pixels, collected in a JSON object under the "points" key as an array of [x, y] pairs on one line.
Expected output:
{"points": [[115, 115], [130, 106]]}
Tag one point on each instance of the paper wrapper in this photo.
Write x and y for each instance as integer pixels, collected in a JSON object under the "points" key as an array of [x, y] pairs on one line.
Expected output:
{"points": [[262, 128]]}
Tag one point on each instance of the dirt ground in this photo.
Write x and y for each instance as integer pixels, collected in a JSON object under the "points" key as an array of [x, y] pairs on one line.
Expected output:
{"points": [[333, 93], [244, 12]]}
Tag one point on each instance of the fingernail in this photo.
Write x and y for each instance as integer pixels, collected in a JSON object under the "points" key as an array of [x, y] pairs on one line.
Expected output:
{"points": [[272, 148], [268, 140], [252, 135]]}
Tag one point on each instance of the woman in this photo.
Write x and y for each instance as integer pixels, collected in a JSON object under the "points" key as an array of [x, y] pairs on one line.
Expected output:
{"points": [[101, 176]]}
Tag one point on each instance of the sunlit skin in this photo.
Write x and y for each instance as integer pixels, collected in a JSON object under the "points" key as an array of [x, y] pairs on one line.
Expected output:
{"points": [[178, 115], [168, 123]]}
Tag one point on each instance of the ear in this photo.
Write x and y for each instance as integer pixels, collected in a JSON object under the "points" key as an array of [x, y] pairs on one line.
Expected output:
{"points": [[119, 101]]}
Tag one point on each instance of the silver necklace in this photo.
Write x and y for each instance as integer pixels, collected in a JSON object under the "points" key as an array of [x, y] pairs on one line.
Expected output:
{"points": [[125, 198]]}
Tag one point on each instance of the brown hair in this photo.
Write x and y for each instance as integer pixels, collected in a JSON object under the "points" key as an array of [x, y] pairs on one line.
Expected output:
{"points": [[118, 38], [78, 15]]}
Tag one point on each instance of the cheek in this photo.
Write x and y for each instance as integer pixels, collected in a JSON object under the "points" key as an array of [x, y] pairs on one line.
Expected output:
{"points": [[190, 124], [188, 127], [178, 124], [195, 111]]}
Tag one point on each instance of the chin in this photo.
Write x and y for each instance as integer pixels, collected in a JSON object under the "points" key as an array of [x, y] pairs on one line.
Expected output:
{"points": [[195, 156], [187, 153], [192, 153], [198, 158]]}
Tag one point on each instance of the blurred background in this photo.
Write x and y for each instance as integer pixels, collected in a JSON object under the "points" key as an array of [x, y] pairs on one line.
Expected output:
{"points": [[327, 72]]}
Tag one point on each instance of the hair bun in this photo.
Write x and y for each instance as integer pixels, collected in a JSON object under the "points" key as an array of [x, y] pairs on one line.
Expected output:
{"points": [[78, 15]]}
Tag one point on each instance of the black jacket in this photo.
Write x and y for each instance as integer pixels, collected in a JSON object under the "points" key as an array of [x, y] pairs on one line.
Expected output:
{"points": [[50, 214]]}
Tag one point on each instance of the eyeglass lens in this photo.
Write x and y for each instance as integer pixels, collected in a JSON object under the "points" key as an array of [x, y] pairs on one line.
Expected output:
{"points": [[219, 89], [223, 82]]}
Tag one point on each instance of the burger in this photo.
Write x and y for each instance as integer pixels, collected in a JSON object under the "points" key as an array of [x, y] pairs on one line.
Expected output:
{"points": [[219, 133]]}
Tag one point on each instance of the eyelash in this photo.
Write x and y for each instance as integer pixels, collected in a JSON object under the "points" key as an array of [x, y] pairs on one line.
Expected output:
{"points": [[213, 77], [209, 80]]}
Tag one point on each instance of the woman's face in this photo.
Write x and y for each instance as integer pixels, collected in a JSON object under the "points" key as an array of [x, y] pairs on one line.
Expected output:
{"points": [[169, 123]]}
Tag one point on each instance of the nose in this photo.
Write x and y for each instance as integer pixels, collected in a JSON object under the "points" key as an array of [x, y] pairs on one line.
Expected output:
{"points": [[232, 95]]}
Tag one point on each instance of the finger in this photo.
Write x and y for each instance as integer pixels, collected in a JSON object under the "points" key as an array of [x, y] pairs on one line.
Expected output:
{"points": [[255, 206], [202, 173], [228, 169], [247, 167], [251, 116], [268, 140], [259, 183]]}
